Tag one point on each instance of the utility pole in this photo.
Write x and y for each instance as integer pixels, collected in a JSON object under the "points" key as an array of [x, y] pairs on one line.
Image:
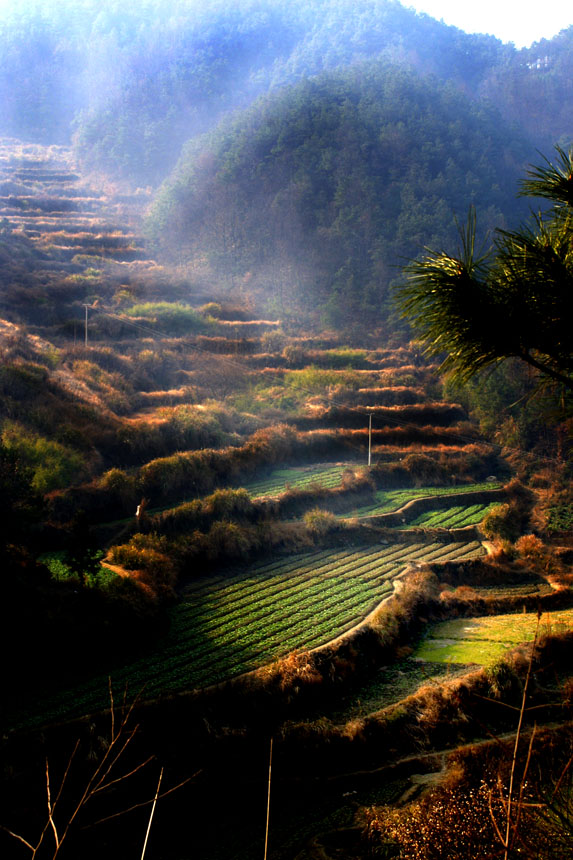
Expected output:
{"points": [[369, 439], [86, 326]]}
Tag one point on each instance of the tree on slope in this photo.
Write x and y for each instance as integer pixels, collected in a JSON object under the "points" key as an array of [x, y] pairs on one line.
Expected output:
{"points": [[514, 301]]}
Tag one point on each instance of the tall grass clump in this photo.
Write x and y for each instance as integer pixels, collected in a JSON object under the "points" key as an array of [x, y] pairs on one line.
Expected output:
{"points": [[318, 380], [320, 523], [172, 317]]}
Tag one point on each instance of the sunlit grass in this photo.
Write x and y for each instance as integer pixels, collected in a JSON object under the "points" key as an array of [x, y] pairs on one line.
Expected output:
{"points": [[485, 640]]}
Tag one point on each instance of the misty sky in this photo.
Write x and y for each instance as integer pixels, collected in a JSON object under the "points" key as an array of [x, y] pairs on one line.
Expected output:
{"points": [[518, 21]]}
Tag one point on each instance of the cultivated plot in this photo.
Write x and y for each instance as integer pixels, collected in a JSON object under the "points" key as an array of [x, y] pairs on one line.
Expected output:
{"points": [[244, 618], [485, 640], [455, 517], [323, 475], [391, 500]]}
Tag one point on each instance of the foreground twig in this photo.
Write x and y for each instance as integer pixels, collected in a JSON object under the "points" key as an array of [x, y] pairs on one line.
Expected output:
{"points": [[104, 776]]}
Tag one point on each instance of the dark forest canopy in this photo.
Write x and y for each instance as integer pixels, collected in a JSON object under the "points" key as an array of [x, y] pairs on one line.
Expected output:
{"points": [[134, 81], [320, 191]]}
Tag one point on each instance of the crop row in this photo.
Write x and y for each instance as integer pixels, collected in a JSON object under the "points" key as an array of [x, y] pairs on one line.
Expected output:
{"points": [[392, 500], [351, 565], [456, 516], [298, 566], [325, 476], [248, 619]]}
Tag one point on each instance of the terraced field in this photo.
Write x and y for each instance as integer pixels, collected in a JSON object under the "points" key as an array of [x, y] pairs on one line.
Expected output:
{"points": [[321, 475], [393, 500], [242, 619], [175, 380], [455, 517], [485, 640]]}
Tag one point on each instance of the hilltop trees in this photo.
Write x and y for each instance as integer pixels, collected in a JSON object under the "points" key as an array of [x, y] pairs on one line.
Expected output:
{"points": [[515, 301], [319, 191]]}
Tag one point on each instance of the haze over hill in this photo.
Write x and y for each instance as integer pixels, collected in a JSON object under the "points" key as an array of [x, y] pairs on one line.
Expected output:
{"points": [[234, 493], [317, 195], [134, 81], [318, 192]]}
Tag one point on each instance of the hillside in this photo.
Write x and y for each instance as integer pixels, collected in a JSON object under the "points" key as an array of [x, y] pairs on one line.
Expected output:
{"points": [[258, 554], [131, 116], [270, 572], [316, 196]]}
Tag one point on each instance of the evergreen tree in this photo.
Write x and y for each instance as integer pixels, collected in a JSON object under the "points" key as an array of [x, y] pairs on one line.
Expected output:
{"points": [[515, 301]]}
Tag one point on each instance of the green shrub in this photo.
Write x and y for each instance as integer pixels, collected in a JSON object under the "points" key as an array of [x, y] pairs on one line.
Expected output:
{"points": [[560, 518], [174, 317], [423, 469], [274, 340], [194, 428], [102, 578], [52, 464], [320, 523], [503, 680], [227, 540], [22, 380], [211, 309], [224, 504], [501, 522], [120, 484]]}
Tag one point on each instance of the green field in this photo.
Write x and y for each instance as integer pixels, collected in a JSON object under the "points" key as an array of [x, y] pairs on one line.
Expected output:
{"points": [[244, 618], [485, 640], [321, 475], [391, 500], [452, 518]]}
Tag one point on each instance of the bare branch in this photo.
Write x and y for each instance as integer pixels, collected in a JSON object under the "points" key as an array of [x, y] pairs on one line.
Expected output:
{"points": [[143, 802], [20, 839], [124, 776]]}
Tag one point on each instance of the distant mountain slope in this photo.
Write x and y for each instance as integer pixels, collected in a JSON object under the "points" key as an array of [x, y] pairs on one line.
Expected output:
{"points": [[135, 81], [229, 54], [320, 191]]}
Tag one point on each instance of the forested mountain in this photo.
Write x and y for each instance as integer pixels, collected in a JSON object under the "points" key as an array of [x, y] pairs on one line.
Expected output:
{"points": [[238, 505], [320, 190], [134, 81], [324, 143]]}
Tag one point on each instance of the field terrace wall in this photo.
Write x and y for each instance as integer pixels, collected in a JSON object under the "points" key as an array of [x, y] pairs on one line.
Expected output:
{"points": [[414, 508], [419, 415], [273, 696], [195, 473]]}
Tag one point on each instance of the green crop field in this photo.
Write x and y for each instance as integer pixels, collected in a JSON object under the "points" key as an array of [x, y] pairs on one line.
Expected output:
{"points": [[452, 518], [392, 500], [322, 475], [485, 640], [244, 618]]}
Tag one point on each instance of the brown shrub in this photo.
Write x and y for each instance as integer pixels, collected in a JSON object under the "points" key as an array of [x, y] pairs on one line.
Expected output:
{"points": [[457, 817]]}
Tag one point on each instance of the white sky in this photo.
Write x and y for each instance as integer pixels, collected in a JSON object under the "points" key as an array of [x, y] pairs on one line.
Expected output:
{"points": [[519, 21]]}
